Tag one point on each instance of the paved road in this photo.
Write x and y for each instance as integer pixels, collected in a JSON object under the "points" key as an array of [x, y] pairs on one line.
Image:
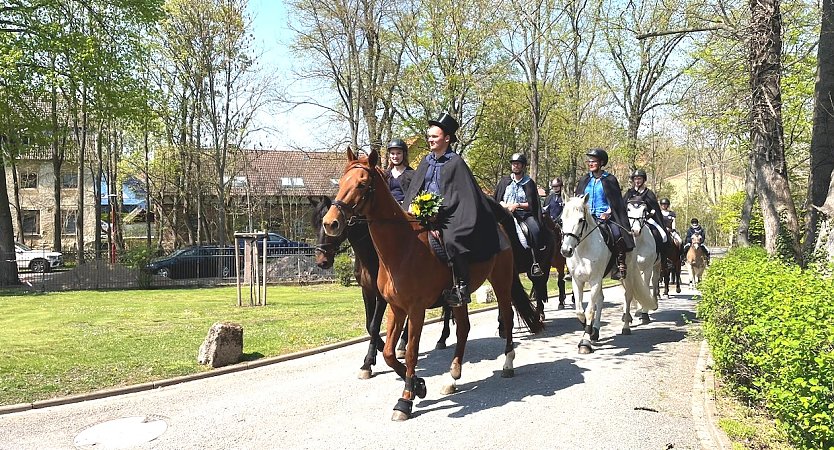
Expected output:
{"points": [[634, 392]]}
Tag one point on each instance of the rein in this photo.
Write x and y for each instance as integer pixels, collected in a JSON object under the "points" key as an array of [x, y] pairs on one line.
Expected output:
{"points": [[582, 235]]}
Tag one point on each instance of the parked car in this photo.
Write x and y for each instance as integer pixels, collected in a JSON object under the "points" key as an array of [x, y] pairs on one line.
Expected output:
{"points": [[277, 245], [37, 260], [195, 262]]}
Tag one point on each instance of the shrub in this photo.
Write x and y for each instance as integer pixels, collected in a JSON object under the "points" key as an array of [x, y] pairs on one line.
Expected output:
{"points": [[771, 328], [343, 266]]}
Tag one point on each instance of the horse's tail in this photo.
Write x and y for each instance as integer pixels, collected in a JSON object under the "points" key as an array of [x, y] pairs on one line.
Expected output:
{"points": [[524, 307]]}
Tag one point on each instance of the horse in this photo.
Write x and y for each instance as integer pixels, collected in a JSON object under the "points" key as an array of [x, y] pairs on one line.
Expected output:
{"points": [[645, 249], [523, 257], [557, 260], [696, 259], [366, 269], [670, 269], [589, 260], [411, 278]]}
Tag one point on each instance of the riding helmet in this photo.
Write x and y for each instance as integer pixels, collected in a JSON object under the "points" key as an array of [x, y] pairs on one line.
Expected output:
{"points": [[398, 143], [519, 157], [664, 201], [599, 153], [639, 173], [693, 221]]}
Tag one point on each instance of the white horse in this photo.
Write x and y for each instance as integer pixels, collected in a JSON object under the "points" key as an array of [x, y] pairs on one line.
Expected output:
{"points": [[587, 258], [696, 259], [645, 249]]}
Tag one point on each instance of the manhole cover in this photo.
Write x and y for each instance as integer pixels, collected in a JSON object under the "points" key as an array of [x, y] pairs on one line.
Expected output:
{"points": [[122, 433]]}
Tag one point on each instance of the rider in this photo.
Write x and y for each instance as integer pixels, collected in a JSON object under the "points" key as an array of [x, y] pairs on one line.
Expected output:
{"points": [[696, 228], [606, 203], [399, 172], [468, 226], [519, 195], [554, 203], [639, 189], [669, 219]]}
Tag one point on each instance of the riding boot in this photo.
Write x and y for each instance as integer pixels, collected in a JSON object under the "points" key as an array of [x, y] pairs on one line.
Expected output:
{"points": [[460, 267], [619, 246]]}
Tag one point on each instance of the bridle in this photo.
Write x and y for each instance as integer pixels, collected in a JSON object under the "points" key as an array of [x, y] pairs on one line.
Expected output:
{"points": [[353, 217], [581, 235], [640, 220]]}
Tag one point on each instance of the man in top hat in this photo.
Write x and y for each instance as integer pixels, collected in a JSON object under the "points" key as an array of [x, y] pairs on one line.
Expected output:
{"points": [[398, 172], [465, 218]]}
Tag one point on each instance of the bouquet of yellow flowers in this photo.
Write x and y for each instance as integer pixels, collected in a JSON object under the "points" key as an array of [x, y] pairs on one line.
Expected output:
{"points": [[425, 206]]}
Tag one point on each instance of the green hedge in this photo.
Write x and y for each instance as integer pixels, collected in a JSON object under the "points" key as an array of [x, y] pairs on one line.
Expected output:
{"points": [[771, 329]]}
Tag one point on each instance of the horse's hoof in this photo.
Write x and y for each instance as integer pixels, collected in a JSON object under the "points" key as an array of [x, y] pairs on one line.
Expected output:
{"points": [[420, 388], [595, 335], [561, 305], [507, 373], [439, 346], [400, 354], [399, 416], [645, 319], [626, 331], [364, 374], [448, 389], [455, 371], [585, 347], [678, 290]]}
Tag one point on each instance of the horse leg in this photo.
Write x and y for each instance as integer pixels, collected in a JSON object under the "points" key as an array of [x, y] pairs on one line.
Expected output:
{"points": [[447, 317], [587, 316], [462, 333], [561, 283], [540, 289], [414, 385], [578, 294], [504, 293], [374, 312], [628, 297], [402, 341]]}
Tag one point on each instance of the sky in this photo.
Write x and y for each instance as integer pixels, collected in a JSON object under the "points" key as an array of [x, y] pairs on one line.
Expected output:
{"points": [[302, 127]]}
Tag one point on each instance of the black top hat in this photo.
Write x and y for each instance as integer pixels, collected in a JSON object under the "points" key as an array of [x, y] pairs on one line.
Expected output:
{"points": [[448, 124]]}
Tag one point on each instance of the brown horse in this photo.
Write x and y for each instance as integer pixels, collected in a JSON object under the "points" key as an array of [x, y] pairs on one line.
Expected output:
{"points": [[696, 258], [412, 279], [558, 260]]}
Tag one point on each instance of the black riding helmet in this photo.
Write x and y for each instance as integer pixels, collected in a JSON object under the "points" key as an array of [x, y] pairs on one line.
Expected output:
{"points": [[398, 143], [664, 201], [639, 173], [519, 157], [599, 153], [694, 221]]}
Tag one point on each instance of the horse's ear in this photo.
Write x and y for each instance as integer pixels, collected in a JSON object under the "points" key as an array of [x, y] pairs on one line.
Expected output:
{"points": [[314, 201], [350, 155], [373, 158], [585, 198], [326, 201]]}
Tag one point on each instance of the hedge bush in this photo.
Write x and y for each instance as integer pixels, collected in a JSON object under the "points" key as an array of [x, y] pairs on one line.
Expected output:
{"points": [[343, 266], [771, 329]]}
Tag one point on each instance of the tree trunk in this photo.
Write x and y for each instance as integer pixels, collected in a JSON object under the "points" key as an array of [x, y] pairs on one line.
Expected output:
{"points": [[8, 266], [822, 136], [16, 189], [743, 234], [767, 134], [57, 162]]}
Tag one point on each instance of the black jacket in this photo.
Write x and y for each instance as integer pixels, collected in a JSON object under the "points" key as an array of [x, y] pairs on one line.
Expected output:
{"points": [[466, 220], [561, 203], [613, 193], [531, 191], [398, 186], [651, 202]]}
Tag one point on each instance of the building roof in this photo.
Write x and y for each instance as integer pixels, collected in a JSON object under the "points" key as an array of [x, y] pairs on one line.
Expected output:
{"points": [[294, 173]]}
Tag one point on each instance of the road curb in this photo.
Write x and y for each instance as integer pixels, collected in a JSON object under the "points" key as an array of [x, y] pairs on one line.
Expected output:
{"points": [[20, 407], [703, 403]]}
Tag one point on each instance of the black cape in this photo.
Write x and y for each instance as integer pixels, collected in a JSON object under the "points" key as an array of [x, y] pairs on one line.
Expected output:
{"points": [[532, 193], [651, 202], [613, 193], [466, 220]]}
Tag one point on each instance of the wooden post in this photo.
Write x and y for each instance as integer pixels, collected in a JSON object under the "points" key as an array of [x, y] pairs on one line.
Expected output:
{"points": [[237, 272], [264, 278]]}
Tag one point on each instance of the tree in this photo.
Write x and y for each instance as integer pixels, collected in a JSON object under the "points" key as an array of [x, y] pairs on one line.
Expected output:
{"points": [[766, 130], [356, 47], [820, 187], [649, 72]]}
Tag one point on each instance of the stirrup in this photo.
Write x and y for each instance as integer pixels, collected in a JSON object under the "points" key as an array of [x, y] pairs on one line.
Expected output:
{"points": [[536, 270]]}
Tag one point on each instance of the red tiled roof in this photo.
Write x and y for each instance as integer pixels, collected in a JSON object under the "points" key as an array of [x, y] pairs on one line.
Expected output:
{"points": [[277, 172]]}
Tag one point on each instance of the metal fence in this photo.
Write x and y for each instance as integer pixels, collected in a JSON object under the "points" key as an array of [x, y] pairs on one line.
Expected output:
{"points": [[201, 270]]}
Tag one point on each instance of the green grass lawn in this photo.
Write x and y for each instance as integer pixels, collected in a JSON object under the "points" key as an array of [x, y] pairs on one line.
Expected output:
{"points": [[68, 343]]}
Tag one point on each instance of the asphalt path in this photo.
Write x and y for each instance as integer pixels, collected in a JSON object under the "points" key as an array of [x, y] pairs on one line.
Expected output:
{"points": [[634, 392]]}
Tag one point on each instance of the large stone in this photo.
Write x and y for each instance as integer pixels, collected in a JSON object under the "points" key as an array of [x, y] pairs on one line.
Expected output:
{"points": [[485, 294], [223, 345]]}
